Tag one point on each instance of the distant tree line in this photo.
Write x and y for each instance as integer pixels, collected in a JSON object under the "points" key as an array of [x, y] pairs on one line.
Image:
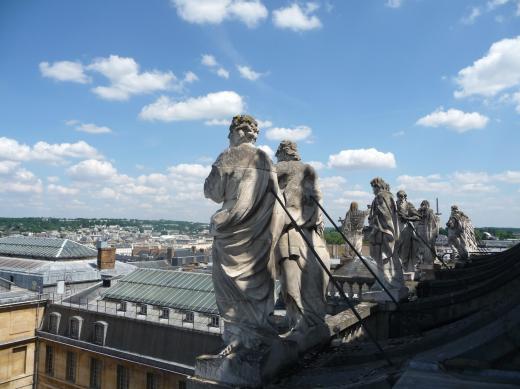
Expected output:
{"points": [[41, 224]]}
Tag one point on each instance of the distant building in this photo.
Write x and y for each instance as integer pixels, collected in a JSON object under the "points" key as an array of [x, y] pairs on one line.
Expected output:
{"points": [[21, 312], [42, 264]]}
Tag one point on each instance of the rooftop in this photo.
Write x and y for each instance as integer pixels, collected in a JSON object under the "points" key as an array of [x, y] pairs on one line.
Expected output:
{"points": [[165, 288], [54, 249]]}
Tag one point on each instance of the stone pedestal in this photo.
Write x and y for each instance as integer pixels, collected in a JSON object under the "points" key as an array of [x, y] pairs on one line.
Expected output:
{"points": [[246, 368], [426, 272], [380, 296]]}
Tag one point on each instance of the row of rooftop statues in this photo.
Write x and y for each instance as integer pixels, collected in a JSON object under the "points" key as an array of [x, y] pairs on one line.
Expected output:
{"points": [[255, 242]]}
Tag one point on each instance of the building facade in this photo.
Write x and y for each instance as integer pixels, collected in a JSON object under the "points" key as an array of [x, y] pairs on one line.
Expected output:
{"points": [[21, 312]]}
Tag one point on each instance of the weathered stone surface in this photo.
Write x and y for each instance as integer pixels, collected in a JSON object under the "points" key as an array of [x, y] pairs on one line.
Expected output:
{"points": [[249, 369], [384, 232], [427, 228], [407, 246], [352, 227], [304, 282], [461, 235], [245, 232]]}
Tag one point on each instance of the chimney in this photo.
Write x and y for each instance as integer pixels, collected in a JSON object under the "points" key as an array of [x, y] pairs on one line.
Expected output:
{"points": [[106, 257], [169, 254]]}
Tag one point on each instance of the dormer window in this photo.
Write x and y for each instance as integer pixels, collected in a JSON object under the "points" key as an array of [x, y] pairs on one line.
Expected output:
{"points": [[75, 327], [54, 322], [100, 332], [141, 309]]}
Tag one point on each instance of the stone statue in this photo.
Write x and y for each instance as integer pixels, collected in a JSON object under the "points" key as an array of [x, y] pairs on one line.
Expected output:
{"points": [[428, 229], [384, 232], [304, 282], [245, 231], [461, 235], [352, 227], [407, 247]]}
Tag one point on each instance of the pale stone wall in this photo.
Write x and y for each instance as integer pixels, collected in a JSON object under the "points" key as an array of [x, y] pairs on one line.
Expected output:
{"points": [[137, 372], [17, 344]]}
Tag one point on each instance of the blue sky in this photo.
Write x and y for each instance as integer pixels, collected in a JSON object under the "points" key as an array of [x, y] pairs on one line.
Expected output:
{"points": [[118, 108]]}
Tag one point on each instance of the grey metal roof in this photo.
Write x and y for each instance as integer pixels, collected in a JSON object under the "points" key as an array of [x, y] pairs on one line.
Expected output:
{"points": [[44, 248], [166, 288]]}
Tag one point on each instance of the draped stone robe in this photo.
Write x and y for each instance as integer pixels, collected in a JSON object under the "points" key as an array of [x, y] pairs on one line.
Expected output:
{"points": [[383, 236], [428, 228], [407, 247], [245, 231], [304, 282], [461, 234]]}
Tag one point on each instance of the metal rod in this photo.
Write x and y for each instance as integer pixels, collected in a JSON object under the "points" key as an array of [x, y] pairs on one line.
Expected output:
{"points": [[335, 283], [357, 253]]}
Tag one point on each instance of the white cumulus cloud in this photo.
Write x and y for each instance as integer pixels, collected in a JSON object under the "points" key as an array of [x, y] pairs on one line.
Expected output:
{"points": [[64, 71], [297, 18], [193, 170], [394, 3], [295, 134], [62, 190], [211, 106], [362, 159], [126, 79], [248, 73], [454, 119], [88, 127], [92, 169], [221, 72], [11, 150], [249, 12], [497, 71]]}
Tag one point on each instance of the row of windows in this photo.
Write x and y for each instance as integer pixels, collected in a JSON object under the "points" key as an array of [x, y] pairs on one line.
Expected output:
{"points": [[75, 326], [189, 316], [96, 370]]}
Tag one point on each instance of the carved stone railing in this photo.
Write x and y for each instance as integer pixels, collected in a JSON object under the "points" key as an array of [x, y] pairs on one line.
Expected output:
{"points": [[354, 287]]}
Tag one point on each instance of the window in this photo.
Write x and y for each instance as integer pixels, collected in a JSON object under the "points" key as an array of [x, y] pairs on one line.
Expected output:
{"points": [[152, 381], [189, 317], [165, 313], [100, 329], [70, 369], [141, 309], [95, 373], [54, 322], [18, 360], [182, 384], [49, 360], [122, 377], [214, 321], [75, 327], [122, 306]]}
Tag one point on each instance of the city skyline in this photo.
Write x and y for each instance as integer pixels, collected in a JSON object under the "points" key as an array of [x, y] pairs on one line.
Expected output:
{"points": [[118, 109]]}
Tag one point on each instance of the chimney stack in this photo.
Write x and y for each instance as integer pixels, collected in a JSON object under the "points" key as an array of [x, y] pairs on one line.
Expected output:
{"points": [[106, 257]]}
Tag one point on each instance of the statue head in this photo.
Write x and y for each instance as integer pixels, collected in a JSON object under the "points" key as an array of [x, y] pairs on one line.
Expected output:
{"points": [[401, 195], [378, 184], [354, 206], [287, 151], [243, 129], [425, 204], [454, 209]]}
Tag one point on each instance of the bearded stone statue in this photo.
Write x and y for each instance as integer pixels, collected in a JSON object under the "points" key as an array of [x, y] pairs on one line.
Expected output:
{"points": [[245, 231], [352, 227]]}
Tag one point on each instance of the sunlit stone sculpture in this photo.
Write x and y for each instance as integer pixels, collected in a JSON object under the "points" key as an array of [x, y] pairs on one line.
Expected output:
{"points": [[304, 282], [428, 229], [352, 227], [245, 230], [407, 247], [384, 232], [461, 235]]}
